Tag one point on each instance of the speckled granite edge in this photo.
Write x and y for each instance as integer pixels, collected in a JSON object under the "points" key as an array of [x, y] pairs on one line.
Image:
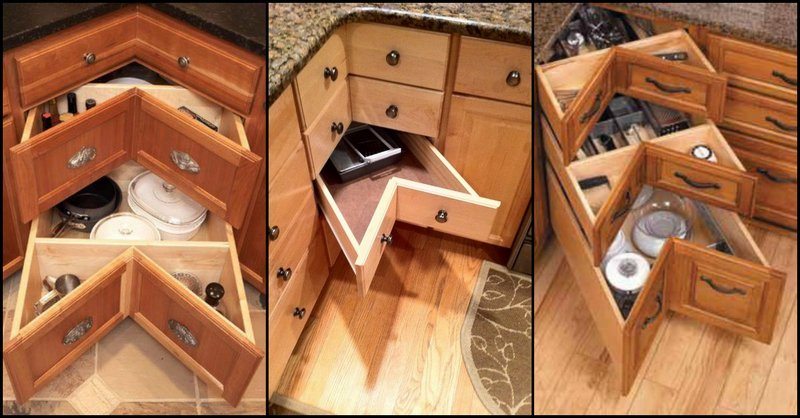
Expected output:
{"points": [[42, 31], [400, 18], [548, 19]]}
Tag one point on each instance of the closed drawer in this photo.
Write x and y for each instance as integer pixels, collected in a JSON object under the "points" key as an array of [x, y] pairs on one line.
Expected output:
{"points": [[762, 116], [422, 189], [291, 312], [395, 106], [496, 70], [323, 135], [403, 55], [76, 55], [754, 67], [287, 191], [216, 68], [284, 131], [322, 77]]}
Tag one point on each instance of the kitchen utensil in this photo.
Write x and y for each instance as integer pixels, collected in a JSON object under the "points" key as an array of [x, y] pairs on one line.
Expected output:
{"points": [[703, 152], [189, 280], [125, 226], [665, 215], [363, 150], [63, 284], [215, 292], [674, 56], [626, 274], [85, 208], [177, 216], [46, 301], [720, 243], [665, 120]]}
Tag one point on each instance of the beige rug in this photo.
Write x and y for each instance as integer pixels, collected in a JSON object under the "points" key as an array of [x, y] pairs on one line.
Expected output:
{"points": [[496, 340]]}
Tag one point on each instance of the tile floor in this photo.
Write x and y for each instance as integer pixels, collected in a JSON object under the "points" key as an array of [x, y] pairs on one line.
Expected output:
{"points": [[128, 372]]}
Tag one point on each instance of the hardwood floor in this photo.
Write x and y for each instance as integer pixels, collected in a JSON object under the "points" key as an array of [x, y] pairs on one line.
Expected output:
{"points": [[692, 368], [396, 351]]}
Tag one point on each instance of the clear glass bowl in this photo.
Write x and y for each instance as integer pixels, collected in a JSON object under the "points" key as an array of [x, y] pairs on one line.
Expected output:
{"points": [[665, 215]]}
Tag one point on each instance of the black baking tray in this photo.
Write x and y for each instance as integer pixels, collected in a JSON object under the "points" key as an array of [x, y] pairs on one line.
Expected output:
{"points": [[363, 150]]}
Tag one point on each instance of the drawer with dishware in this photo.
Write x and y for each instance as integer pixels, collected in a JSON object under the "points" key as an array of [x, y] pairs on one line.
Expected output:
{"points": [[765, 117]]}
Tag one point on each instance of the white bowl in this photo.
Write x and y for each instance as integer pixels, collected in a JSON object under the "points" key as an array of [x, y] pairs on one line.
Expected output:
{"points": [[169, 232]]}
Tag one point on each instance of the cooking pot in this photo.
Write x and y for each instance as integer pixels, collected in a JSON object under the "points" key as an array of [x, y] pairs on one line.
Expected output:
{"points": [[82, 210]]}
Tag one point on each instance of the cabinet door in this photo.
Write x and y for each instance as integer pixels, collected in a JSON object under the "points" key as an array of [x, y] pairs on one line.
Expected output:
{"points": [[13, 232], [489, 144]]}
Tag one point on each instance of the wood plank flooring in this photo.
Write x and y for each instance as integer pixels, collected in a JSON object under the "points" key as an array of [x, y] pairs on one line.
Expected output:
{"points": [[691, 369], [398, 350]]}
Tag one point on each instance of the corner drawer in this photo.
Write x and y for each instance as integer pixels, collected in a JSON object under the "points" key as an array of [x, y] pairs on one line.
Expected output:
{"points": [[496, 70], [284, 132], [393, 53], [323, 135], [290, 314], [765, 117], [422, 188], [287, 191], [322, 76], [754, 67], [395, 106]]}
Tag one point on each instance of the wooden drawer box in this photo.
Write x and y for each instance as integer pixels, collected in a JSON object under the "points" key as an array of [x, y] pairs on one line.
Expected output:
{"points": [[395, 106], [496, 70], [322, 77], [754, 67], [403, 55], [140, 123], [761, 116]]}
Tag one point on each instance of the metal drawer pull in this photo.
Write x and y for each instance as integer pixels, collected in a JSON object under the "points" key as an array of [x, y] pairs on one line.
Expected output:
{"points": [[183, 61], [695, 184], [285, 273], [185, 161], [782, 76], [274, 232], [767, 174], [337, 127], [89, 58], [392, 58], [391, 111], [83, 156], [650, 319], [331, 73], [299, 312], [441, 217], [622, 212], [182, 333], [513, 78], [592, 110], [665, 88], [780, 125], [77, 331], [386, 238], [721, 289]]}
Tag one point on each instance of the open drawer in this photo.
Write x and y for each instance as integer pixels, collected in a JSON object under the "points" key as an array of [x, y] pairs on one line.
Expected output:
{"points": [[739, 293], [138, 123], [574, 91], [422, 189]]}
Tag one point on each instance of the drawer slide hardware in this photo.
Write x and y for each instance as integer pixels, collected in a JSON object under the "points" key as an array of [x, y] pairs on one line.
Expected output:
{"points": [[299, 313], [768, 175], [595, 107], [784, 78], [77, 331], [721, 289], [650, 319], [441, 217], [696, 184], [83, 156], [182, 333], [185, 161], [780, 125], [665, 88]]}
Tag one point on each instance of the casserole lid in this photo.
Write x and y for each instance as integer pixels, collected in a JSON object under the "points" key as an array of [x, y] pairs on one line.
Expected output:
{"points": [[163, 201], [125, 226]]}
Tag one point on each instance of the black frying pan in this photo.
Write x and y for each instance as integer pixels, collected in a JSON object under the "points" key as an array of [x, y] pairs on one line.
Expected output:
{"points": [[84, 209]]}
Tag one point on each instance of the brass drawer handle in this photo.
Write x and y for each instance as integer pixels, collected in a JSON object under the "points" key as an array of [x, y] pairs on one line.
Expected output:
{"points": [[622, 212], [82, 157], [721, 289], [89, 58], [592, 110], [650, 319], [767, 174], [182, 333], [185, 161], [393, 58], [780, 125], [665, 88], [786, 79], [441, 216], [513, 79], [386, 238], [696, 184], [274, 232], [299, 313], [77, 331], [183, 61], [285, 273], [332, 73]]}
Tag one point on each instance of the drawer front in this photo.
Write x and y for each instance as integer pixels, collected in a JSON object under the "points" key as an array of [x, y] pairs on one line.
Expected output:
{"points": [[670, 84], [376, 238], [404, 55], [284, 131], [323, 134], [496, 70], [213, 67], [51, 342], [6, 104], [776, 195], [287, 192], [289, 318], [165, 134], [712, 183], [725, 291], [252, 255], [754, 67], [415, 110], [65, 152], [751, 113], [54, 64], [322, 76]]}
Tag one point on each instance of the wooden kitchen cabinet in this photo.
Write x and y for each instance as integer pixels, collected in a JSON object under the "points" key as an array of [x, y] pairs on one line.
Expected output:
{"points": [[14, 231]]}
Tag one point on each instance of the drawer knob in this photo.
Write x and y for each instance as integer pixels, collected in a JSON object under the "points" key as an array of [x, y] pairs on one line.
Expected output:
{"points": [[784, 78], [667, 88], [391, 111], [773, 178], [77, 331], [513, 78], [386, 238], [331, 73], [650, 319], [392, 58], [185, 161], [82, 157], [441, 217], [89, 58], [274, 232], [697, 184], [722, 289], [182, 333], [337, 127], [183, 61], [299, 313], [285, 273], [780, 125]]}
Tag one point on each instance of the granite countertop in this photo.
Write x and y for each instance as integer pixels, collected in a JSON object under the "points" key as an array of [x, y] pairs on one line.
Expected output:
{"points": [[298, 30], [548, 18], [239, 23]]}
